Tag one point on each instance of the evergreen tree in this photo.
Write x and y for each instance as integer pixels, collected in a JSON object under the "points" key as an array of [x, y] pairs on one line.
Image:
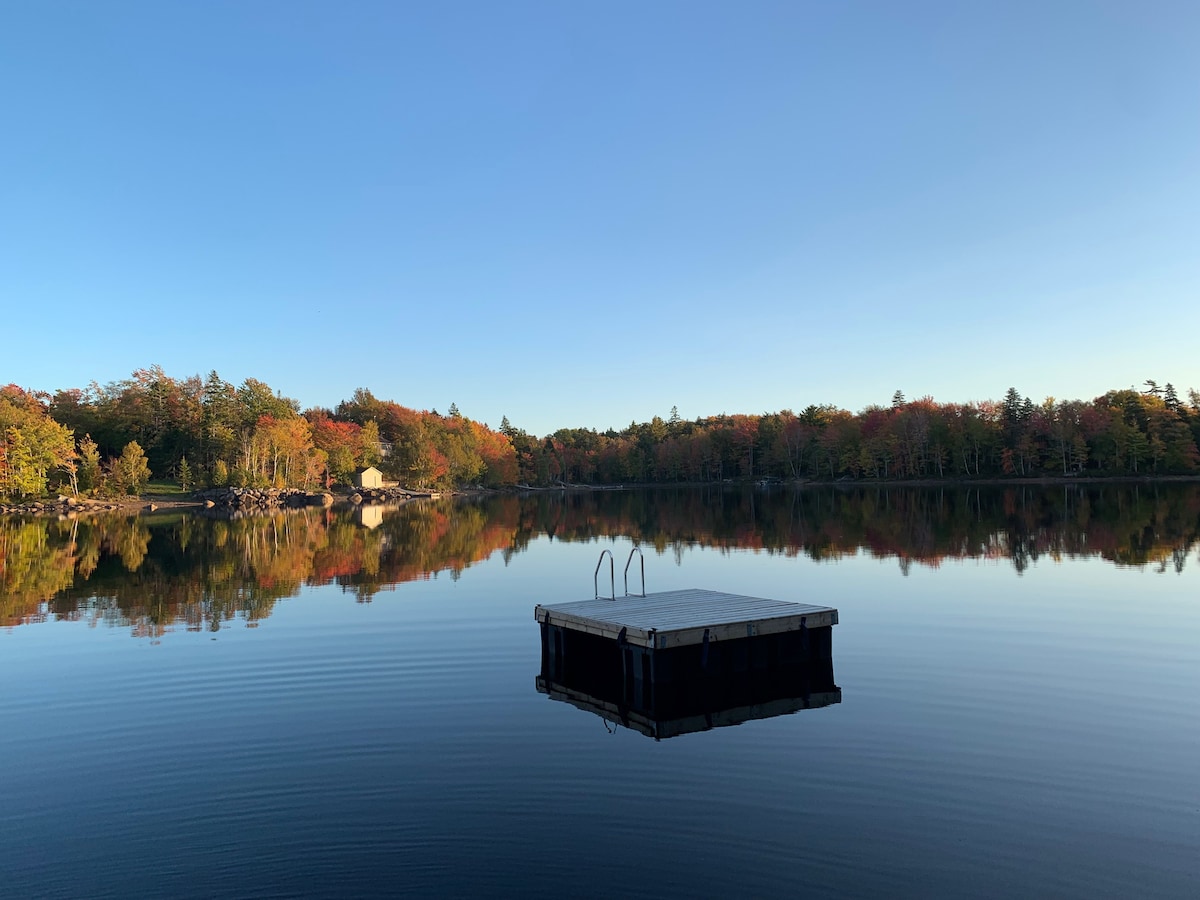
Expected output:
{"points": [[1170, 398], [218, 418], [186, 479], [1027, 410]]}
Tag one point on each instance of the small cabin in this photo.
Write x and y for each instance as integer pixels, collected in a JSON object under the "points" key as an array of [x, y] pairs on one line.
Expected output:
{"points": [[370, 477]]}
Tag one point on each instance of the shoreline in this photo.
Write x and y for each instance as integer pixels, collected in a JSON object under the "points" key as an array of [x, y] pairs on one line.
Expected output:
{"points": [[152, 502], [987, 481]]}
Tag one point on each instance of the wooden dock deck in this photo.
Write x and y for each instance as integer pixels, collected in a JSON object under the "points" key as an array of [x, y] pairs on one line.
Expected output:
{"points": [[674, 619]]}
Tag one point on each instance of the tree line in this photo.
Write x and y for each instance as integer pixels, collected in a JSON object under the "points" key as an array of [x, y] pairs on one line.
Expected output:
{"points": [[111, 439]]}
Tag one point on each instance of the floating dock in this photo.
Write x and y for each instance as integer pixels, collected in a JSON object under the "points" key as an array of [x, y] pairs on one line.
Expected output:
{"points": [[678, 661]]}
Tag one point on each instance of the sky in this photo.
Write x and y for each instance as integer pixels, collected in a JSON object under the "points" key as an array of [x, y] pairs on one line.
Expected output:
{"points": [[582, 214]]}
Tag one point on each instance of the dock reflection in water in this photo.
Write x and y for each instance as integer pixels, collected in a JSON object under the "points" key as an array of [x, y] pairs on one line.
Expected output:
{"points": [[690, 690]]}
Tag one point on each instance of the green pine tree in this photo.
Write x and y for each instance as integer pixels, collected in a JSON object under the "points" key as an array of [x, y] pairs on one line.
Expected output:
{"points": [[186, 479]]}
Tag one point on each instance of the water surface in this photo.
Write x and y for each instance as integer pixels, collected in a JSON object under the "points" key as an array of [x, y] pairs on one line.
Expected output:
{"points": [[324, 703]]}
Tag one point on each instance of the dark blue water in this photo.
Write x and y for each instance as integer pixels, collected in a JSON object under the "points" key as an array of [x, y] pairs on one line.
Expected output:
{"points": [[1012, 722]]}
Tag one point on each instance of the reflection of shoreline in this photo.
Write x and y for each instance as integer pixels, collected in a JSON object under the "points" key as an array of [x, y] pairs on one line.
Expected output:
{"points": [[199, 570], [212, 564]]}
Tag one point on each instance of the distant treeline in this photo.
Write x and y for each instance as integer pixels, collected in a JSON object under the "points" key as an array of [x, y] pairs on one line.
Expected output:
{"points": [[205, 431]]}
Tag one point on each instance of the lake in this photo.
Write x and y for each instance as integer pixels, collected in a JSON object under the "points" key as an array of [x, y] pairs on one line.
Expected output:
{"points": [[342, 702]]}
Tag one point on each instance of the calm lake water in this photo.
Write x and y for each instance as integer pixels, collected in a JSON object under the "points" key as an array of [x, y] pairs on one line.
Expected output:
{"points": [[340, 703]]}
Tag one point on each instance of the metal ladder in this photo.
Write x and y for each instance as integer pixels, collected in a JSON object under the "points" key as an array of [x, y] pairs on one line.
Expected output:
{"points": [[612, 577]]}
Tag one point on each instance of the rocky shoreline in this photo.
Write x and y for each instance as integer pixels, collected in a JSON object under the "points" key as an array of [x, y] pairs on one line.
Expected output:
{"points": [[262, 498], [61, 506], [220, 500], [250, 500], [388, 495], [228, 499]]}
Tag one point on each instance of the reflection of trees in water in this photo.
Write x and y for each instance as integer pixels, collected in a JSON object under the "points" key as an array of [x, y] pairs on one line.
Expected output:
{"points": [[186, 571], [1128, 525], [198, 573], [33, 567]]}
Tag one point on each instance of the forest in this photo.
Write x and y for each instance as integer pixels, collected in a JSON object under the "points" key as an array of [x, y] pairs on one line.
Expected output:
{"points": [[111, 440]]}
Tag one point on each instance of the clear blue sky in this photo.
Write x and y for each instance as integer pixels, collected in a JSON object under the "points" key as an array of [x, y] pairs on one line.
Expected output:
{"points": [[581, 214]]}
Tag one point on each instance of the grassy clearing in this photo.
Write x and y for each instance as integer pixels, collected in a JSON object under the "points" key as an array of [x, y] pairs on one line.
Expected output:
{"points": [[165, 489]]}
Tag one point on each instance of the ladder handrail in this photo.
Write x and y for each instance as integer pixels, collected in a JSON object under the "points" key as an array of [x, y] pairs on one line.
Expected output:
{"points": [[611, 576], [642, 559]]}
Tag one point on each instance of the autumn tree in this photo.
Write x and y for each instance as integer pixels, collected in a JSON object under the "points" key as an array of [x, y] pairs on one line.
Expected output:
{"points": [[129, 472], [32, 445], [280, 453], [340, 441]]}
